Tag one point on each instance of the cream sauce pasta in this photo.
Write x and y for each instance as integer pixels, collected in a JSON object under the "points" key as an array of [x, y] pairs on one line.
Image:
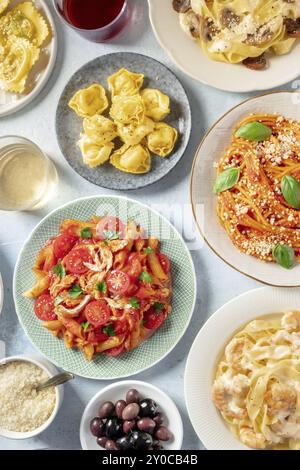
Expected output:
{"points": [[257, 384]]}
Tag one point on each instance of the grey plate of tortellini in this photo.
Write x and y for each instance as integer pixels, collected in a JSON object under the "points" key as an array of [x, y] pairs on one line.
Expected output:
{"points": [[123, 121]]}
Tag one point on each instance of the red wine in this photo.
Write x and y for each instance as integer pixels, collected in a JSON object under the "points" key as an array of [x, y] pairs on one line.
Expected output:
{"points": [[91, 14]]}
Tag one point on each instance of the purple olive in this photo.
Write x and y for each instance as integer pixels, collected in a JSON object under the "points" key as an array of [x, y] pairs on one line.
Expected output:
{"points": [[131, 411], [111, 445], [101, 441], [120, 405], [146, 425], [163, 434], [106, 410], [133, 396], [128, 426], [97, 427], [159, 419]]}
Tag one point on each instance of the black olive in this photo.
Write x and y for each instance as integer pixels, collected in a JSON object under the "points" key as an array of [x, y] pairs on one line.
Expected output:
{"points": [[114, 428], [124, 443], [141, 440], [148, 408], [97, 427]]}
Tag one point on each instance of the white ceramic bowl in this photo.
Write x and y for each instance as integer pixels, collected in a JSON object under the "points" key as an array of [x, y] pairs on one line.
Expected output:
{"points": [[117, 391], [50, 370], [204, 201], [207, 349], [10, 102], [190, 58]]}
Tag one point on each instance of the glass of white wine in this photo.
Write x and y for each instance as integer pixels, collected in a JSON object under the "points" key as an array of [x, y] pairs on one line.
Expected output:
{"points": [[27, 176]]}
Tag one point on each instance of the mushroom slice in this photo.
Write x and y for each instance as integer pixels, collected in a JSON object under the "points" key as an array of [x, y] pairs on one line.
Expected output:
{"points": [[208, 29], [292, 27], [190, 23], [181, 6], [256, 63], [229, 19]]}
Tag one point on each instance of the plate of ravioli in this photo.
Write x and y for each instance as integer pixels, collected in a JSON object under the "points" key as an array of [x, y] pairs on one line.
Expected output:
{"points": [[28, 48], [123, 121]]}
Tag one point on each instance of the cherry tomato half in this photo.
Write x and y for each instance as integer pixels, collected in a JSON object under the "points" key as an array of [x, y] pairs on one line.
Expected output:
{"points": [[118, 282], [135, 267], [121, 327], [110, 224], [62, 245], [152, 320], [114, 352], [44, 308], [97, 313], [165, 262], [75, 259]]}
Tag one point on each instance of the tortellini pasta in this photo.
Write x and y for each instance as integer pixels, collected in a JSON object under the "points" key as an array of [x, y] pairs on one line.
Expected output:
{"points": [[89, 101], [100, 128], [134, 118], [162, 140], [128, 109], [93, 153], [125, 83], [132, 159], [23, 31], [157, 104], [132, 134]]}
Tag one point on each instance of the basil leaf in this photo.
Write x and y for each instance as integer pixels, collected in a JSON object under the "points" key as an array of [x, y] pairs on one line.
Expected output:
{"points": [[134, 302], [148, 250], [226, 180], [255, 131], [58, 301], [284, 255], [109, 330], [158, 307], [59, 270], [75, 291], [101, 287], [145, 277], [86, 233], [290, 188], [111, 235], [85, 325]]}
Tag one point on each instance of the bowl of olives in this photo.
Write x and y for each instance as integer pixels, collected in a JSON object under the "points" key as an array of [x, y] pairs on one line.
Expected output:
{"points": [[131, 416]]}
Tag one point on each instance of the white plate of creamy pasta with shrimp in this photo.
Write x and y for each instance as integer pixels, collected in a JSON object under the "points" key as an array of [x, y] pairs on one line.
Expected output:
{"points": [[233, 45], [245, 384]]}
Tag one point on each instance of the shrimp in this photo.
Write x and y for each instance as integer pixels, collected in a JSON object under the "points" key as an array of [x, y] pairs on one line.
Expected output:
{"points": [[287, 428], [234, 352], [280, 399], [252, 439], [229, 395], [291, 321]]}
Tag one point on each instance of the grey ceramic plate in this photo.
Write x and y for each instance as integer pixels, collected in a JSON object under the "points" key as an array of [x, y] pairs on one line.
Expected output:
{"points": [[69, 126]]}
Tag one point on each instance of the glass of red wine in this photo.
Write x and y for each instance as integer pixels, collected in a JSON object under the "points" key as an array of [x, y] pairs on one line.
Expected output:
{"points": [[96, 20]]}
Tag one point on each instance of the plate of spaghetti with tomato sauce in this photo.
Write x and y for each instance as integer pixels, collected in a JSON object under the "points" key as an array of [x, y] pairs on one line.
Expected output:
{"points": [[101, 291]]}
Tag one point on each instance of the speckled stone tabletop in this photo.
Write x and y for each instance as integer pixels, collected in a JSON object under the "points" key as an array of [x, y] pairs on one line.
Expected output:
{"points": [[217, 283]]}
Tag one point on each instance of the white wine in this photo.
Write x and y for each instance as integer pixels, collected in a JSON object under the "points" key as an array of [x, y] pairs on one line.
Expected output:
{"points": [[27, 176]]}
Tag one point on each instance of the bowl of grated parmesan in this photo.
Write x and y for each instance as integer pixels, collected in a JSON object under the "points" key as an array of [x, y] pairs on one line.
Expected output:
{"points": [[24, 412]]}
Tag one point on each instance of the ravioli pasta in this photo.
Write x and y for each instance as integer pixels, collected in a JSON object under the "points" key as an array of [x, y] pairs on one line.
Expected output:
{"points": [[134, 118], [257, 385], [238, 30]]}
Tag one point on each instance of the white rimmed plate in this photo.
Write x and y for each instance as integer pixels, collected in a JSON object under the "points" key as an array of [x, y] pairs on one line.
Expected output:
{"points": [[41, 72], [213, 146], [206, 350], [190, 58], [117, 391]]}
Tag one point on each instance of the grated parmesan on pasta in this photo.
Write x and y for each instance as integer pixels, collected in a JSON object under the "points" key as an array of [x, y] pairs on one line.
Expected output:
{"points": [[22, 409]]}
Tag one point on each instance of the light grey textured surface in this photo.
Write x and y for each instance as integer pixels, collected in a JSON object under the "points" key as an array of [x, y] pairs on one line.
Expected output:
{"points": [[217, 283], [69, 126]]}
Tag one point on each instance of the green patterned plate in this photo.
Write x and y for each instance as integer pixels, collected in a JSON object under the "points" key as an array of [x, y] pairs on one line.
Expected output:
{"points": [[151, 351]]}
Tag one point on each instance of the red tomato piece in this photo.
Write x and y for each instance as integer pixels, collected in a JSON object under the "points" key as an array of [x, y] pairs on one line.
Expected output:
{"points": [[97, 337], [152, 320], [165, 262], [135, 267], [110, 224], [121, 327], [44, 308], [62, 245], [97, 313], [72, 231], [75, 260], [118, 282], [114, 352]]}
